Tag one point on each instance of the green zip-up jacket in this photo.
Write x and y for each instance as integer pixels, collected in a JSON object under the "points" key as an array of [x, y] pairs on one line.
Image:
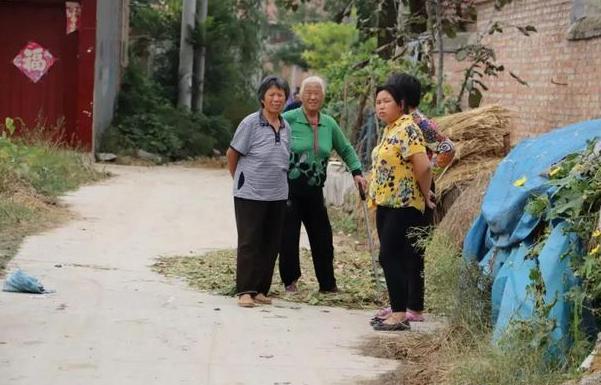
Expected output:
{"points": [[309, 157]]}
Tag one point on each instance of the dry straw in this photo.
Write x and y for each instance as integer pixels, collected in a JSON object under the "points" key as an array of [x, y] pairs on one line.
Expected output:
{"points": [[483, 131], [481, 138], [465, 208]]}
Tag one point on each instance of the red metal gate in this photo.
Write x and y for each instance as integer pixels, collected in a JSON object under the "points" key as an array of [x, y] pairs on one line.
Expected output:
{"points": [[58, 97]]}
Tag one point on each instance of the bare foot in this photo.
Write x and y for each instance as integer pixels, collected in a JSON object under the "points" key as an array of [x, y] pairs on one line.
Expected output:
{"points": [[394, 318]]}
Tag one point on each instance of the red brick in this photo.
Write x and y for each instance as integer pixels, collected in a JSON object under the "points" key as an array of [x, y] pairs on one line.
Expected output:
{"points": [[542, 59]]}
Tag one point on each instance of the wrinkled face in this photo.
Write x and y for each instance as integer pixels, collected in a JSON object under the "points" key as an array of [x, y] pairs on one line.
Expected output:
{"points": [[312, 97], [387, 108], [274, 100]]}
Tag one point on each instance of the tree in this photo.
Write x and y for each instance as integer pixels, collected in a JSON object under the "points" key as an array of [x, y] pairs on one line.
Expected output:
{"points": [[325, 42], [147, 116]]}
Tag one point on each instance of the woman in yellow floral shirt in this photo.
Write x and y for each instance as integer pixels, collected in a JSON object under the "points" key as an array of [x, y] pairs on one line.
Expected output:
{"points": [[400, 189]]}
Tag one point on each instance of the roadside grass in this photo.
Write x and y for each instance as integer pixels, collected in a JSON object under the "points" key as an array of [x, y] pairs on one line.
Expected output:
{"points": [[18, 219], [344, 223], [33, 173], [215, 271], [462, 353]]}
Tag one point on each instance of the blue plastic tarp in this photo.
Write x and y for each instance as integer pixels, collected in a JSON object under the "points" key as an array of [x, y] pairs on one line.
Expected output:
{"points": [[500, 237]]}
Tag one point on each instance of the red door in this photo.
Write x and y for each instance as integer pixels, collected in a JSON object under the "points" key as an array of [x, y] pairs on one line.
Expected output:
{"points": [[53, 99]]}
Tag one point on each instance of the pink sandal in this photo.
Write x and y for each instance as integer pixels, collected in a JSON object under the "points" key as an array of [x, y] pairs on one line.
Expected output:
{"points": [[383, 313], [414, 317]]}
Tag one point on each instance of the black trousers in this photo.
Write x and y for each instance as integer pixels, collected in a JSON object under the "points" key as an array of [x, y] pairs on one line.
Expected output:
{"points": [[259, 225], [309, 208], [402, 262]]}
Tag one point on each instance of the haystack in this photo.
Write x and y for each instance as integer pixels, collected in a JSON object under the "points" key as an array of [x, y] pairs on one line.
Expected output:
{"points": [[481, 138], [465, 208], [482, 132]]}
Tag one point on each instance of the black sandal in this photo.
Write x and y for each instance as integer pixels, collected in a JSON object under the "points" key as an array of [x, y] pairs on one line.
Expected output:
{"points": [[403, 325], [376, 320]]}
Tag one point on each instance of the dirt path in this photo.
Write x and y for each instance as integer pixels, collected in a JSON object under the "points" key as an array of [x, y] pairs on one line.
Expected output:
{"points": [[113, 321]]}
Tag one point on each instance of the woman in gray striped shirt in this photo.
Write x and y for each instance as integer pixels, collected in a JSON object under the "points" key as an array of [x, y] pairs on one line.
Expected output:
{"points": [[258, 160]]}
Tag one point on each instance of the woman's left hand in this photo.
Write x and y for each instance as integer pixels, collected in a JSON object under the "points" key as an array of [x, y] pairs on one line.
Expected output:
{"points": [[360, 181], [431, 200]]}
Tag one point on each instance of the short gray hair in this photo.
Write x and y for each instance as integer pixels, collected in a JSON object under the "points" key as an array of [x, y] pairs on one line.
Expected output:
{"points": [[313, 79]]}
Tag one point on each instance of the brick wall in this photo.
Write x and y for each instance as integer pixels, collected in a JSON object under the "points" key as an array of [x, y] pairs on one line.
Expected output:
{"points": [[564, 76]]}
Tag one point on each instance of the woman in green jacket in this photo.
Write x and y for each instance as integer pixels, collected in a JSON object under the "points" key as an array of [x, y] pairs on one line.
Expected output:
{"points": [[313, 137]]}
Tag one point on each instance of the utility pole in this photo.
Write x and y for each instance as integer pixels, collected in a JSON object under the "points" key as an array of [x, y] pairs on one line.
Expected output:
{"points": [[186, 55], [200, 53]]}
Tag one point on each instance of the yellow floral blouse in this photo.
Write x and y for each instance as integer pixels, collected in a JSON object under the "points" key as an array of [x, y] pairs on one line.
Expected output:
{"points": [[392, 181]]}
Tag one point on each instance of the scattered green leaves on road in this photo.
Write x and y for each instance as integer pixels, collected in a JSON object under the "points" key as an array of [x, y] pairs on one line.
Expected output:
{"points": [[215, 272]]}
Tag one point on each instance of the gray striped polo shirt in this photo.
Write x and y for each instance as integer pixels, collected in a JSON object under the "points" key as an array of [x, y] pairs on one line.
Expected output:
{"points": [[262, 170]]}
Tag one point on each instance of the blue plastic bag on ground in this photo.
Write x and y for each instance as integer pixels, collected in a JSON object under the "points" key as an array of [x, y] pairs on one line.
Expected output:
{"points": [[21, 282]]}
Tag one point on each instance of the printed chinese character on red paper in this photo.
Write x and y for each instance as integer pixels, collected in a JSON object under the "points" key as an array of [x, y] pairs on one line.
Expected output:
{"points": [[34, 61]]}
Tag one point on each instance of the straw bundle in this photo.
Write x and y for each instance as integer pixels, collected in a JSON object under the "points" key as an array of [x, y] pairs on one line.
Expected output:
{"points": [[483, 131], [481, 138], [462, 173]]}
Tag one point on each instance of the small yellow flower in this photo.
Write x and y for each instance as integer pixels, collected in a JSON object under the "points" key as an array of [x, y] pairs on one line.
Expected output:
{"points": [[595, 250], [520, 182], [554, 171], [597, 233]]}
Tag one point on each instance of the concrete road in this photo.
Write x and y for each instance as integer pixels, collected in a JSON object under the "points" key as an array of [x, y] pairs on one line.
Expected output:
{"points": [[113, 321]]}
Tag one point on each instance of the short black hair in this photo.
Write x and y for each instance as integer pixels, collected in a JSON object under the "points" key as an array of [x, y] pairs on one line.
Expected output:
{"points": [[272, 81], [395, 92], [408, 85]]}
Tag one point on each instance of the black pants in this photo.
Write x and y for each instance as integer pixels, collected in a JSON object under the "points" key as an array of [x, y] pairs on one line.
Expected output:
{"points": [[259, 225], [402, 262], [418, 304], [308, 208]]}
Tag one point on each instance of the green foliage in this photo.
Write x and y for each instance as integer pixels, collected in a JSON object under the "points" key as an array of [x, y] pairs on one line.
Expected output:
{"points": [[353, 69], [343, 222], [148, 121], [232, 35], [50, 170], [576, 201], [215, 272], [452, 284], [325, 42], [146, 117], [352, 80], [515, 360], [32, 172], [521, 356], [527, 353]]}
